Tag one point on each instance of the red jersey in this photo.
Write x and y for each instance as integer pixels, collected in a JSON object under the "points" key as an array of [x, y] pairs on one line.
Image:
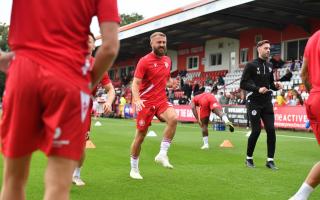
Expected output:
{"points": [[54, 33], [104, 81], [154, 72], [312, 54], [206, 100]]}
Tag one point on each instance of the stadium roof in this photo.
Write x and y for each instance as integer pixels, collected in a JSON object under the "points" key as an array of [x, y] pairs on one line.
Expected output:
{"points": [[207, 19]]}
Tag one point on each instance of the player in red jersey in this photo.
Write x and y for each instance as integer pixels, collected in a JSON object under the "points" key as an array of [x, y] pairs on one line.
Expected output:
{"points": [[49, 40], [151, 78], [310, 76], [106, 84], [207, 103]]}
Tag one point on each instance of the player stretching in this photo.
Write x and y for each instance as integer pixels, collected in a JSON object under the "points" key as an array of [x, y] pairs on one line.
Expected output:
{"points": [[207, 104], [151, 77]]}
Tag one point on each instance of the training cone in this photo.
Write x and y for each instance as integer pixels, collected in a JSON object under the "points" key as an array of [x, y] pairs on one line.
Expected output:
{"points": [[151, 134], [90, 145], [226, 144], [97, 123]]}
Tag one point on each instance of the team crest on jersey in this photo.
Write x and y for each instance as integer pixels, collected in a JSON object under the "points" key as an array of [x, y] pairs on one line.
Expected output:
{"points": [[141, 122], [270, 69], [254, 112], [166, 64], [155, 64], [258, 70]]}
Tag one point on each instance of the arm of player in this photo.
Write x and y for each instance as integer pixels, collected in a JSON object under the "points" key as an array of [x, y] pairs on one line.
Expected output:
{"points": [[111, 96], [195, 113], [135, 93], [107, 52], [305, 75], [5, 59]]}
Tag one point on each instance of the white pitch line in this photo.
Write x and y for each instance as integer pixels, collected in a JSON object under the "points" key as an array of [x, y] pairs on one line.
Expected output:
{"points": [[279, 135], [288, 136]]}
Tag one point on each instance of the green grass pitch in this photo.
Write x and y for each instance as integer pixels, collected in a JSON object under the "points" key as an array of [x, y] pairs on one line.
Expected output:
{"points": [[217, 174]]}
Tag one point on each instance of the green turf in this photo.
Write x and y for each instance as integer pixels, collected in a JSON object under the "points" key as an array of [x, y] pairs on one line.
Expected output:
{"points": [[217, 174]]}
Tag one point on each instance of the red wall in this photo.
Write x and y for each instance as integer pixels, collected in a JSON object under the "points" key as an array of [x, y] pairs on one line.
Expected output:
{"points": [[247, 38], [291, 32], [182, 59]]}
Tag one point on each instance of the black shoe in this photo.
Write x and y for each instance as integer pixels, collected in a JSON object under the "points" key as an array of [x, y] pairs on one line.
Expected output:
{"points": [[271, 165], [249, 163]]}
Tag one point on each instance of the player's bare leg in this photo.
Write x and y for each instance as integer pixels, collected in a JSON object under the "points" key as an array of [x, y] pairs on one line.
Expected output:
{"points": [[135, 152], [313, 178], [311, 182], [170, 117], [58, 178], [224, 118], [76, 178], [16, 172], [205, 133]]}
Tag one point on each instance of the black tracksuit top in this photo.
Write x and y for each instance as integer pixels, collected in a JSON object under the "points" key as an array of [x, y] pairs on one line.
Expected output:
{"points": [[257, 74]]}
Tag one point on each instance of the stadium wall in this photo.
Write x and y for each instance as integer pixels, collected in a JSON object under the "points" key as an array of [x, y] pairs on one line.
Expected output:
{"points": [[248, 38]]}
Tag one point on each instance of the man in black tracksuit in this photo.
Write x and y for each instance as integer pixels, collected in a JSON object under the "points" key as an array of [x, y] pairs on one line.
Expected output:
{"points": [[257, 79]]}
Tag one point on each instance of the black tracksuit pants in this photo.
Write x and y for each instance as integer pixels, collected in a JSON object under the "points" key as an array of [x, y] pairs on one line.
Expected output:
{"points": [[264, 111]]}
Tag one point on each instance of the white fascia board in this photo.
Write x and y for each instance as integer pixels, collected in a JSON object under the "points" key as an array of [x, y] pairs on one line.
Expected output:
{"points": [[181, 17]]}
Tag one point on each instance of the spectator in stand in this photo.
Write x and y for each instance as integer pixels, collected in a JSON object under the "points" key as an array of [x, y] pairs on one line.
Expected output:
{"points": [[287, 76], [196, 88], [187, 89], [183, 100], [277, 62], [224, 100], [300, 61], [201, 88], [242, 99], [294, 101], [171, 95], [208, 88], [181, 81], [220, 80], [292, 65], [116, 105], [121, 106], [281, 100], [218, 95], [297, 95], [289, 95], [232, 99]]}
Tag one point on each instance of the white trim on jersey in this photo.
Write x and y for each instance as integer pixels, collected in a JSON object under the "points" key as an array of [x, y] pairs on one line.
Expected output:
{"points": [[147, 90], [250, 93]]}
